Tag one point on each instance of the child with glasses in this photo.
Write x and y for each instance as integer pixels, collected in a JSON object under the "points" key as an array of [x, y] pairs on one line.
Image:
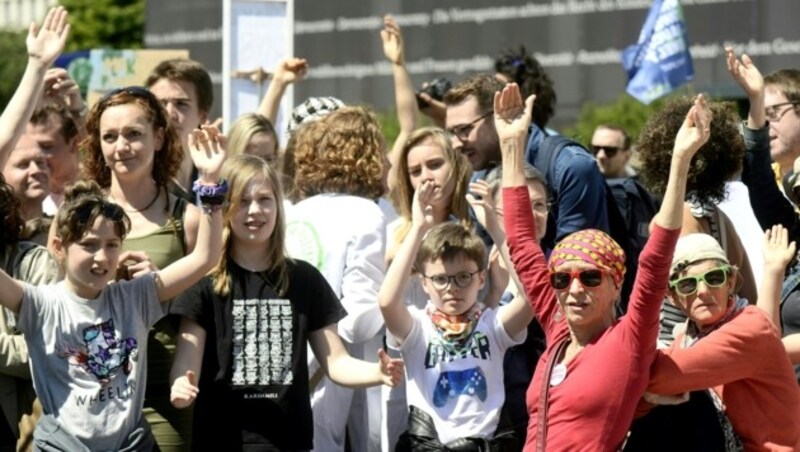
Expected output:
{"points": [[453, 348], [86, 336], [730, 347]]}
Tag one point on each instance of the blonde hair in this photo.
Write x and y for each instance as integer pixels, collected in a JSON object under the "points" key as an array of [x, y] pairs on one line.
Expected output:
{"points": [[239, 171], [402, 194], [243, 129]]}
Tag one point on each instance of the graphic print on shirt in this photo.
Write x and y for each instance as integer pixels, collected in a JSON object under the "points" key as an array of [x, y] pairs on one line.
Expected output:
{"points": [[454, 383], [303, 242], [102, 354], [262, 342], [442, 351]]}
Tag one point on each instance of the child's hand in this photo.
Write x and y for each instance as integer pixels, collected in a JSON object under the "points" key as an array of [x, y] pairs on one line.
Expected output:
{"points": [[184, 390], [777, 250], [512, 116], [392, 369], [695, 131], [208, 151], [480, 198], [45, 43], [421, 209]]}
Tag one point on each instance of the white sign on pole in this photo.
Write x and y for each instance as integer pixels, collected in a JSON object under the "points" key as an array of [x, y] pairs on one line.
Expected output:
{"points": [[256, 35]]}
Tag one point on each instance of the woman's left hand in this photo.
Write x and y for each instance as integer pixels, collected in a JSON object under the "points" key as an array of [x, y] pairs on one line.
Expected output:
{"points": [[208, 149], [480, 198], [777, 249], [392, 369], [695, 130], [512, 116]]}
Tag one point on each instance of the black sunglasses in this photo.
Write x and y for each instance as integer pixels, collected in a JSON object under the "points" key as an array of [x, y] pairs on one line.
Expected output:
{"points": [[92, 208], [137, 91], [611, 151], [589, 278], [688, 284]]}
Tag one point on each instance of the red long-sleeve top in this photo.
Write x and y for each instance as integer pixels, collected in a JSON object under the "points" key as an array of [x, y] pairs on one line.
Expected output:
{"points": [[746, 364], [592, 409]]}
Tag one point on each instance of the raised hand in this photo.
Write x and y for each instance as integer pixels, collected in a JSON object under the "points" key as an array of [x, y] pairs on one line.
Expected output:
{"points": [[777, 249], [184, 390], [480, 198], [421, 209], [745, 73], [392, 369], [291, 70], [45, 43], [512, 116], [208, 151], [392, 41], [60, 88], [695, 131]]}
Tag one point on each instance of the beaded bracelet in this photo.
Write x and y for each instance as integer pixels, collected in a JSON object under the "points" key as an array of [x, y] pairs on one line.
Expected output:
{"points": [[210, 197]]}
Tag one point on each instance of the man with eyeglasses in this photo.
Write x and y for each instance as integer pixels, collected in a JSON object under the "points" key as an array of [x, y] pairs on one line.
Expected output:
{"points": [[611, 146], [578, 182]]}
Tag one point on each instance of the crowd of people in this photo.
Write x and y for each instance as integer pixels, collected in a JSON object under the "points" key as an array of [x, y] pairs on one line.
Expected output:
{"points": [[481, 284]]}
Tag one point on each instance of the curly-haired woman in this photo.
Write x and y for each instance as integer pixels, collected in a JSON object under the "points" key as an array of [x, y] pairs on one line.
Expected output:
{"points": [[340, 170], [720, 160]]}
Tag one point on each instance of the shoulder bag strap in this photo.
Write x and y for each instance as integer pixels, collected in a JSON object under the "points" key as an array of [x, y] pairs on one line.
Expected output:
{"points": [[541, 430]]}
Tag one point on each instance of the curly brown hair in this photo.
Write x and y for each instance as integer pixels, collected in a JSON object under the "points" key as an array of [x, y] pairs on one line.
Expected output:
{"points": [[716, 162], [11, 214], [167, 160], [343, 152]]}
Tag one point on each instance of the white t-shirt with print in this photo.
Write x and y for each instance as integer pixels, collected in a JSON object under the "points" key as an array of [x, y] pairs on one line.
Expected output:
{"points": [[462, 390]]}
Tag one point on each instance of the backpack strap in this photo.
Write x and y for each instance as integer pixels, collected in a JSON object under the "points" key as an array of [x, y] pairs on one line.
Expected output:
{"points": [[544, 392], [177, 213]]}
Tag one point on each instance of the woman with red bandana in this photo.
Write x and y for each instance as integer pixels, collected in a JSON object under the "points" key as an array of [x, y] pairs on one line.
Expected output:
{"points": [[596, 367]]}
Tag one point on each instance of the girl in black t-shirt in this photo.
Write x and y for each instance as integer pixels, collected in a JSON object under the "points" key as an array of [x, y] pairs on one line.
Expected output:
{"points": [[242, 345]]}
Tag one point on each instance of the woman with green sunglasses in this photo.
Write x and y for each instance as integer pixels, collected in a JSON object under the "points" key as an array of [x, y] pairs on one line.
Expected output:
{"points": [[728, 348]]}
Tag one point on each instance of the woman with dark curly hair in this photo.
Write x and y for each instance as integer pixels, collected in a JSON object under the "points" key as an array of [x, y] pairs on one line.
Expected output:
{"points": [[133, 153], [520, 67], [340, 171], [719, 162]]}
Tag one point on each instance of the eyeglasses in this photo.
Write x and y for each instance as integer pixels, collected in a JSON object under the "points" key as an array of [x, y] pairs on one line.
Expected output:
{"points": [[589, 278], [462, 132], [461, 280], [611, 151], [713, 278], [91, 208], [771, 112]]}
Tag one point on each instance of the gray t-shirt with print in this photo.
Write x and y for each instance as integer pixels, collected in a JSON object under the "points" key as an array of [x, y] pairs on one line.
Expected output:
{"points": [[89, 357]]}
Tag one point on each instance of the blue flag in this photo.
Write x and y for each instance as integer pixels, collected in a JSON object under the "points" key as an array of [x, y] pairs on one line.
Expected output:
{"points": [[660, 61]]}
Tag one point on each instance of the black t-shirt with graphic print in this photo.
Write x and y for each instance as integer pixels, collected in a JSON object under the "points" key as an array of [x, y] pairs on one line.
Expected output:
{"points": [[254, 392]]}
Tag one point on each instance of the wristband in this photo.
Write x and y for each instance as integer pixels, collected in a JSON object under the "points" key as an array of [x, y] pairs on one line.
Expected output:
{"points": [[212, 191]]}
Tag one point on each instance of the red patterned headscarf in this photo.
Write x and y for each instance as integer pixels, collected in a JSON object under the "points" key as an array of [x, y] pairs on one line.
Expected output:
{"points": [[593, 247]]}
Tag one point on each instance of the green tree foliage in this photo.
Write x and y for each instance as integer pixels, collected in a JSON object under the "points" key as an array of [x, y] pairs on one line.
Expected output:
{"points": [[116, 24], [625, 112], [15, 57]]}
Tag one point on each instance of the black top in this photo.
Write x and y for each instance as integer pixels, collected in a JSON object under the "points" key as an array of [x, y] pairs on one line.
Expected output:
{"points": [[254, 392]]}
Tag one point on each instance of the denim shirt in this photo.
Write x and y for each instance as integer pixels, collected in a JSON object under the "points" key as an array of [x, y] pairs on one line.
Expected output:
{"points": [[580, 190]]}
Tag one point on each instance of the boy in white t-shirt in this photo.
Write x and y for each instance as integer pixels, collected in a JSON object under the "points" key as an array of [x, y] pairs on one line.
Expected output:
{"points": [[454, 348]]}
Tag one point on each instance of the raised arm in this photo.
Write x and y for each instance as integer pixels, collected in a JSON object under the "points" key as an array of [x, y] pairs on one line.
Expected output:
{"points": [[60, 88], [347, 371], [405, 98], [393, 308], [778, 252], [188, 361], [44, 45], [692, 135], [207, 147], [749, 78], [288, 71], [511, 118]]}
